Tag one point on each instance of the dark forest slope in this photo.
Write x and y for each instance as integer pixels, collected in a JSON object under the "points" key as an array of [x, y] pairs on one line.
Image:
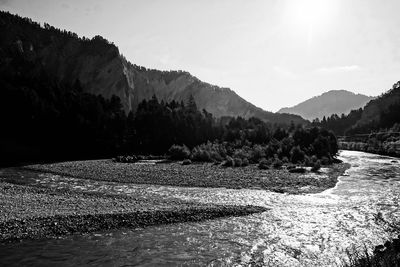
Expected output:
{"points": [[102, 70]]}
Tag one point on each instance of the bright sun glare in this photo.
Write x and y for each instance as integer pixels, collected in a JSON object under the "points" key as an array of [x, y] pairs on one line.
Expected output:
{"points": [[310, 15]]}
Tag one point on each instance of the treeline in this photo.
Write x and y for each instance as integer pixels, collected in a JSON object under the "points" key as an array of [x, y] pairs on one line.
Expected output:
{"points": [[190, 134], [339, 125], [28, 25], [386, 142], [158, 125], [44, 119], [32, 35], [295, 145]]}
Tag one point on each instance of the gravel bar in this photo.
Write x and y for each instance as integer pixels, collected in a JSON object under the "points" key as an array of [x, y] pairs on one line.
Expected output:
{"points": [[198, 175], [28, 212]]}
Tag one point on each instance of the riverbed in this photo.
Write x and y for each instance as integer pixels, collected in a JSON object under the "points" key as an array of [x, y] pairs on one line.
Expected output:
{"points": [[296, 230]]}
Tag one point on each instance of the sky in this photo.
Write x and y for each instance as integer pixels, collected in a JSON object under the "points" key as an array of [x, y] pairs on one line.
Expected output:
{"points": [[273, 53]]}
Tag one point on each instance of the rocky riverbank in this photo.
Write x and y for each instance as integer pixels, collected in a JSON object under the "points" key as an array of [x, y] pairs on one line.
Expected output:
{"points": [[31, 212], [199, 175]]}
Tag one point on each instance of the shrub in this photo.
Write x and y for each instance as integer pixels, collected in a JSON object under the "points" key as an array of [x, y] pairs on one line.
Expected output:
{"points": [[177, 152], [316, 166], [257, 153], [245, 162], [199, 154], [277, 164], [296, 154], [325, 161], [243, 153], [186, 162], [216, 156], [208, 152], [238, 162], [229, 162], [307, 161], [314, 158], [263, 164]]}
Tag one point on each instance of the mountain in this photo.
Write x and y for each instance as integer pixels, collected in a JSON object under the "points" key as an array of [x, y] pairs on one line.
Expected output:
{"points": [[99, 68], [378, 114], [332, 102]]}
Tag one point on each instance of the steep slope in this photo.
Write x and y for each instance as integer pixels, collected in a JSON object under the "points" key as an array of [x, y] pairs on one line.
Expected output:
{"points": [[382, 112], [332, 102], [100, 69], [379, 114]]}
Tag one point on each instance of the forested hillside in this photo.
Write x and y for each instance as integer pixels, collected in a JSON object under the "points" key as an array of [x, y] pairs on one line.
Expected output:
{"points": [[101, 70], [379, 114], [375, 128]]}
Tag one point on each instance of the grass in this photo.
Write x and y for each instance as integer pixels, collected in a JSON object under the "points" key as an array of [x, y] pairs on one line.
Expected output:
{"points": [[387, 255]]}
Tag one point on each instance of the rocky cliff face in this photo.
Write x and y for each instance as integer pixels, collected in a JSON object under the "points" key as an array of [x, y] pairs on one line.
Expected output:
{"points": [[101, 69], [332, 102]]}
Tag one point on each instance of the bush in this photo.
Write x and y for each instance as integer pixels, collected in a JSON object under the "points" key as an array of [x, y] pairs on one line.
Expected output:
{"points": [[199, 154], [238, 162], [325, 161], [264, 164], [177, 152], [277, 164], [386, 255], [186, 162], [296, 155], [208, 152], [243, 153], [316, 166], [257, 153], [314, 159], [216, 156], [245, 162], [307, 161], [229, 162]]}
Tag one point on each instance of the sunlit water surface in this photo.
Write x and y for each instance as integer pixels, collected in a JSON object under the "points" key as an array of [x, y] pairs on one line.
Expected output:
{"points": [[298, 230]]}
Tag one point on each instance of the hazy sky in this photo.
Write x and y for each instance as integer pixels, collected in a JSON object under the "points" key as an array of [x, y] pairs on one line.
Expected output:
{"points": [[273, 53]]}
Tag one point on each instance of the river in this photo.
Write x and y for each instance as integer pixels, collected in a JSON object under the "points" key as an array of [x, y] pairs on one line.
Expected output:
{"points": [[297, 230]]}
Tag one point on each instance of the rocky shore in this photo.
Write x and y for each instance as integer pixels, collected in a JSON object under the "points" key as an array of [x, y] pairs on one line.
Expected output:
{"points": [[31, 212], [199, 175]]}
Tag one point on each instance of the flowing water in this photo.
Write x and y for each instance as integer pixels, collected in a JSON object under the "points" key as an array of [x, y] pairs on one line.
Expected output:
{"points": [[298, 230]]}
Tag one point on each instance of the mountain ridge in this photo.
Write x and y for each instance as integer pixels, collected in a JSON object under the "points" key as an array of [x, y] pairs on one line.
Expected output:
{"points": [[101, 69], [331, 102]]}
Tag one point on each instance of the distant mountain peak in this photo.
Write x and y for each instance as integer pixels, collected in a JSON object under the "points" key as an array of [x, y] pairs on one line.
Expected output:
{"points": [[331, 102]]}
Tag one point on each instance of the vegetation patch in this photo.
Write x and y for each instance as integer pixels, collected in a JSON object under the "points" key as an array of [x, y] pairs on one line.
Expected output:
{"points": [[386, 255]]}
